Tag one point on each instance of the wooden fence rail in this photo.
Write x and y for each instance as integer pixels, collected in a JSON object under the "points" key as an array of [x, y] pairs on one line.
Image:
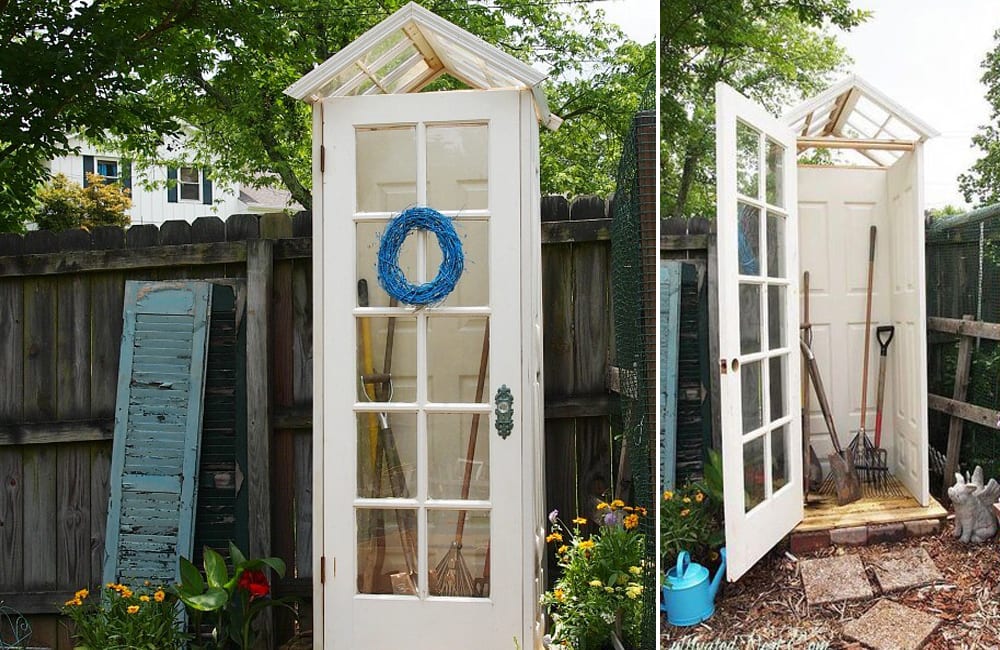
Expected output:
{"points": [[60, 328], [956, 407]]}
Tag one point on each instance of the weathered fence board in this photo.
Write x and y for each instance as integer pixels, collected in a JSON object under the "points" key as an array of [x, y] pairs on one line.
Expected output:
{"points": [[61, 327]]}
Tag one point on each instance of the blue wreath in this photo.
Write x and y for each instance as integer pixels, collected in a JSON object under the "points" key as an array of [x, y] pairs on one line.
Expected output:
{"points": [[391, 277]]}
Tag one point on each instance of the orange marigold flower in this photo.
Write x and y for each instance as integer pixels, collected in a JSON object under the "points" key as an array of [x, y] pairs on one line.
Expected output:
{"points": [[144, 598], [558, 594], [587, 544], [668, 495], [631, 521], [580, 521], [73, 602], [602, 506], [685, 512], [686, 500], [699, 497], [642, 511], [82, 594], [617, 503], [159, 596], [132, 609], [554, 537], [628, 508]]}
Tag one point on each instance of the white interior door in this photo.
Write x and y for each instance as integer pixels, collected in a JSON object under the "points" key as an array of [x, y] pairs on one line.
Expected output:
{"points": [[908, 361], [758, 265], [416, 474], [837, 207]]}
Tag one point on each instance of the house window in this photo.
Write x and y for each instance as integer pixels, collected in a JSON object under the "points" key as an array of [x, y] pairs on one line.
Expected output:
{"points": [[108, 169], [189, 181]]}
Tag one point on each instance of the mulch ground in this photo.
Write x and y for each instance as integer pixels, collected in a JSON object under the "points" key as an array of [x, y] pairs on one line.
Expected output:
{"points": [[767, 606]]}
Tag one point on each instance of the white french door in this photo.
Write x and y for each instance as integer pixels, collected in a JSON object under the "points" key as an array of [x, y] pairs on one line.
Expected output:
{"points": [[758, 267], [423, 533]]}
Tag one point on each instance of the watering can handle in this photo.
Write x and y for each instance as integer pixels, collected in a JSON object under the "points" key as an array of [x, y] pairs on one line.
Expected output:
{"points": [[683, 561]]}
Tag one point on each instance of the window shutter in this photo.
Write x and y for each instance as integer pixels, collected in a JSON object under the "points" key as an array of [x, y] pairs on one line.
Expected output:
{"points": [[171, 187], [158, 418], [88, 168], [126, 175], [206, 188]]}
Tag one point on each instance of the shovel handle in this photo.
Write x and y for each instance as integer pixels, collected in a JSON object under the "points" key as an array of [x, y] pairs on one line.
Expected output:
{"points": [[886, 331]]}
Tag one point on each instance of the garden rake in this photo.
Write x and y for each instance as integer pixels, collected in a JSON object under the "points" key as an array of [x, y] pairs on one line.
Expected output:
{"points": [[452, 576]]}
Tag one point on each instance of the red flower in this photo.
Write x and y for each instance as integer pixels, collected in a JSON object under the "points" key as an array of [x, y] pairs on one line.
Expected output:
{"points": [[255, 583]]}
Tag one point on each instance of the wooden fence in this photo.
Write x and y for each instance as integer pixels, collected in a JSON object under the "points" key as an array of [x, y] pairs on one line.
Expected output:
{"points": [[60, 326]]}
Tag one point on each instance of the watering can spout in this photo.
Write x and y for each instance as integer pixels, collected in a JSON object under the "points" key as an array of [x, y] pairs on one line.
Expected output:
{"points": [[717, 580]]}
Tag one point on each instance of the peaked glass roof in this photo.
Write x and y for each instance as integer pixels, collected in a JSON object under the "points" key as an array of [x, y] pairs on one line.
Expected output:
{"points": [[410, 49], [881, 130]]}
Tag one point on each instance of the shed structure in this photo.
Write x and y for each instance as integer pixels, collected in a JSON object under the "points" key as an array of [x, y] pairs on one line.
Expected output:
{"points": [[778, 219], [428, 505]]}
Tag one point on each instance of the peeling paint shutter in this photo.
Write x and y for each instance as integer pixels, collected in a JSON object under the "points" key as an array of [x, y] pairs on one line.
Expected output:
{"points": [[222, 496], [158, 415]]}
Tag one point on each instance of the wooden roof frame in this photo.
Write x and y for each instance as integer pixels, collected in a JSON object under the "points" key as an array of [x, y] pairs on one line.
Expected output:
{"points": [[426, 29], [820, 121]]}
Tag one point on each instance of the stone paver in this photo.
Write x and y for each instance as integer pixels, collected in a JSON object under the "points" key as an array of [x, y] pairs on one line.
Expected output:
{"points": [[908, 567], [890, 626], [833, 579]]}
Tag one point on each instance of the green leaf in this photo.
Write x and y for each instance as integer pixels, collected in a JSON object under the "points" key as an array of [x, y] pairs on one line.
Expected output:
{"points": [[236, 555], [191, 581], [275, 563], [210, 601], [215, 568]]}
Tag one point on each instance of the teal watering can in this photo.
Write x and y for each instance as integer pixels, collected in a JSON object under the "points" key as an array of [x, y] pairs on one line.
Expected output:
{"points": [[688, 596]]}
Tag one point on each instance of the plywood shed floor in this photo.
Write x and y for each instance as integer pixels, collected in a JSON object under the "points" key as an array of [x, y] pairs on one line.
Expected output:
{"points": [[884, 506]]}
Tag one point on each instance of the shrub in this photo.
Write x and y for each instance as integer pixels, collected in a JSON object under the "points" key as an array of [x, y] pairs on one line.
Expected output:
{"points": [[600, 589], [691, 518], [63, 204], [121, 619]]}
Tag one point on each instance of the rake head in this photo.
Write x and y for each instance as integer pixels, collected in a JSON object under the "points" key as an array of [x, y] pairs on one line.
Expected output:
{"points": [[452, 576]]}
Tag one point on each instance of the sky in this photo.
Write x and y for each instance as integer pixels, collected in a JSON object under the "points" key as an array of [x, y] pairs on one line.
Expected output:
{"points": [[639, 19], [926, 55]]}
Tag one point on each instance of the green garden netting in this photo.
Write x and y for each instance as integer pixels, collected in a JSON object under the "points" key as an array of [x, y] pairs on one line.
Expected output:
{"points": [[634, 264], [963, 279]]}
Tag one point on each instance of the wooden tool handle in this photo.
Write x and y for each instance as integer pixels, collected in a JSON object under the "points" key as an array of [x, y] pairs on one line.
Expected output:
{"points": [[868, 328]]}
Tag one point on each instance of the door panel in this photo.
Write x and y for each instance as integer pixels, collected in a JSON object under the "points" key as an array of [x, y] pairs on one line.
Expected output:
{"points": [[429, 491], [838, 206], [908, 354], [758, 328]]}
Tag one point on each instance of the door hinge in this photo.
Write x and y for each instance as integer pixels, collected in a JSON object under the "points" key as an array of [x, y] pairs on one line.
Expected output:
{"points": [[322, 159]]}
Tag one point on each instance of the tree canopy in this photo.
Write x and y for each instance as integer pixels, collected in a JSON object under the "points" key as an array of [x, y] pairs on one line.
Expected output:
{"points": [[128, 74], [981, 184], [772, 51]]}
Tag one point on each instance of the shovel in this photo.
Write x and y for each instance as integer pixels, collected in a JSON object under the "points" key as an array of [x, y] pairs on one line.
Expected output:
{"points": [[845, 476], [812, 470]]}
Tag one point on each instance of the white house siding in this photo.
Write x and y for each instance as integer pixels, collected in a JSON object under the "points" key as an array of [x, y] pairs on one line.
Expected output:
{"points": [[151, 206]]}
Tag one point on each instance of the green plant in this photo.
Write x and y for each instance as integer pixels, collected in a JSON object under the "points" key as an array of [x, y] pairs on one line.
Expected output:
{"points": [[121, 619], [600, 589], [691, 518], [63, 204], [229, 602]]}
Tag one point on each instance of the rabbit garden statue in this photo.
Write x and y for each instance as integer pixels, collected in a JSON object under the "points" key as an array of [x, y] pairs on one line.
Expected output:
{"points": [[974, 518]]}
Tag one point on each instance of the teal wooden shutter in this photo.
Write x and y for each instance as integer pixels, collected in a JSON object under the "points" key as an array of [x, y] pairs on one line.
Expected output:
{"points": [[88, 168], [171, 187], [158, 414], [670, 305]]}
